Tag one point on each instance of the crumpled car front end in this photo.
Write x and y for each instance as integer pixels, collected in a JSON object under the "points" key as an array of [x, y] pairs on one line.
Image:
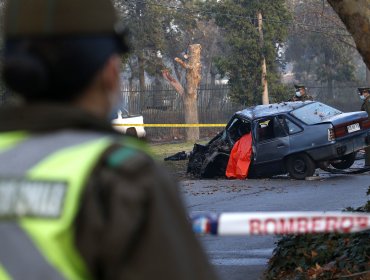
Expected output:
{"points": [[210, 161]]}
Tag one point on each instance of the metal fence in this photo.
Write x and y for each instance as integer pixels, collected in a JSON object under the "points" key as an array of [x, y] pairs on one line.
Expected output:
{"points": [[160, 104], [163, 105]]}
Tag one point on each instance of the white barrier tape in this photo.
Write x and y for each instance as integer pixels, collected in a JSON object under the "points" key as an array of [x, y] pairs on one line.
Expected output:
{"points": [[264, 223]]}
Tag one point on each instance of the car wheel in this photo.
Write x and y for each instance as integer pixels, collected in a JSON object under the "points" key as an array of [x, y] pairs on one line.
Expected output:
{"points": [[131, 131], [344, 162], [300, 166]]}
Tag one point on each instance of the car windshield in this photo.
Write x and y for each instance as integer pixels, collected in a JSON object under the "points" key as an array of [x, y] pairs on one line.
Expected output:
{"points": [[315, 113]]}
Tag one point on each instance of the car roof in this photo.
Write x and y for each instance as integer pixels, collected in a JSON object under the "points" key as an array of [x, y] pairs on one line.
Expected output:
{"points": [[271, 109]]}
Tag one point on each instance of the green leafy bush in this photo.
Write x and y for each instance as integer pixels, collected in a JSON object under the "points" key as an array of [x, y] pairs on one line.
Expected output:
{"points": [[322, 256]]}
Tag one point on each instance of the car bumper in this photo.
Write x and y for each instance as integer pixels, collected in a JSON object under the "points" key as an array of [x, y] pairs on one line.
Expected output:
{"points": [[340, 147]]}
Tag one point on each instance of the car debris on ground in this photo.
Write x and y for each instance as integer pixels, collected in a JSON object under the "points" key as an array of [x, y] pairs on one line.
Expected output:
{"points": [[217, 151], [178, 156]]}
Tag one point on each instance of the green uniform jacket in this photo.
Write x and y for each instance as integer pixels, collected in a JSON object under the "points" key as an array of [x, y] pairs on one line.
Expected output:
{"points": [[366, 106], [305, 97], [131, 223]]}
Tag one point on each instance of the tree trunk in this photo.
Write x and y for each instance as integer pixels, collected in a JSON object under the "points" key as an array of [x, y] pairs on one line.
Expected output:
{"points": [[191, 117], [367, 76], [178, 73], [132, 96], [211, 88], [265, 92], [173, 82], [190, 93], [210, 68], [132, 104], [355, 14], [141, 81], [193, 77], [213, 79]]}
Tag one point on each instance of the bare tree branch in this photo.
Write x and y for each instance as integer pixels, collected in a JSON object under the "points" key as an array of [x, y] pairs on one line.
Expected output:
{"points": [[182, 63], [174, 83]]}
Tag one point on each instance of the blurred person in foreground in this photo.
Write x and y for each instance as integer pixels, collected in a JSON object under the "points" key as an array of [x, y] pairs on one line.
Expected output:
{"points": [[301, 94], [365, 97], [77, 200]]}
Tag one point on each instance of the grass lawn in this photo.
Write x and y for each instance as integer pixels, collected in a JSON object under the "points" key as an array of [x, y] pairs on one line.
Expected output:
{"points": [[177, 168], [160, 151]]}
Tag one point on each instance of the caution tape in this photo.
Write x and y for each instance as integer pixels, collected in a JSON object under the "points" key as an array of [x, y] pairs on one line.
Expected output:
{"points": [[272, 223], [174, 125]]}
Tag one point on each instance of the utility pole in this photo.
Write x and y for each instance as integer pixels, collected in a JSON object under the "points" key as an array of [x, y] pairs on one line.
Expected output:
{"points": [[265, 91]]}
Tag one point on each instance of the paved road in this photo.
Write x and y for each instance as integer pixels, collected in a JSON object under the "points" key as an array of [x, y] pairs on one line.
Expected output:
{"points": [[246, 257]]}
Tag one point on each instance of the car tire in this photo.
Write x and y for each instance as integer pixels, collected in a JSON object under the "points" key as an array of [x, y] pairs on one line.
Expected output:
{"points": [[344, 162], [300, 166], [131, 131]]}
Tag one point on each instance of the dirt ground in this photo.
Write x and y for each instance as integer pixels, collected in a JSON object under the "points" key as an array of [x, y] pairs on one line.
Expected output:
{"points": [[178, 169]]}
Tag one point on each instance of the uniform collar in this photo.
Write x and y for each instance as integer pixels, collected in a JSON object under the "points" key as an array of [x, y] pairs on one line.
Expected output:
{"points": [[48, 117]]}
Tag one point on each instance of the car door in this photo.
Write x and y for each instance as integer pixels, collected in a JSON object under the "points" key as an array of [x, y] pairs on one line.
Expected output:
{"points": [[272, 141]]}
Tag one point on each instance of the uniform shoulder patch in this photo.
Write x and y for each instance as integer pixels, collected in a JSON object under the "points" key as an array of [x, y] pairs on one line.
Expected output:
{"points": [[129, 148], [121, 155], [31, 198]]}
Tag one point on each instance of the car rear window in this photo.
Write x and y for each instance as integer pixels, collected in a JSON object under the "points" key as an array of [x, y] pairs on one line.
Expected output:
{"points": [[315, 113]]}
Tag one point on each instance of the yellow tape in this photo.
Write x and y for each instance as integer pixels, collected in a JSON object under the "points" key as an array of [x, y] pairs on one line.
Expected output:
{"points": [[174, 125]]}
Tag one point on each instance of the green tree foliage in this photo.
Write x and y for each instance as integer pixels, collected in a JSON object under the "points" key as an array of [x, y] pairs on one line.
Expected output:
{"points": [[157, 30], [241, 61], [322, 256], [321, 50], [143, 20]]}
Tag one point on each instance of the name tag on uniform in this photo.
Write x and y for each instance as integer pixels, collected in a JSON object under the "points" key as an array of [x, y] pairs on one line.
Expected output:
{"points": [[27, 198]]}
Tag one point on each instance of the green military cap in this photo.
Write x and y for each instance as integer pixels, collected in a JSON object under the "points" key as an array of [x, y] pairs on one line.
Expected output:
{"points": [[363, 90], [45, 18], [299, 86]]}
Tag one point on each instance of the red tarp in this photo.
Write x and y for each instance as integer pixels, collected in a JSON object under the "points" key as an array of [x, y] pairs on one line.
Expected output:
{"points": [[240, 158]]}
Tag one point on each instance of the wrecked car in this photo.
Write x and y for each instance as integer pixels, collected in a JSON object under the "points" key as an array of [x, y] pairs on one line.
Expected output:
{"points": [[290, 137]]}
